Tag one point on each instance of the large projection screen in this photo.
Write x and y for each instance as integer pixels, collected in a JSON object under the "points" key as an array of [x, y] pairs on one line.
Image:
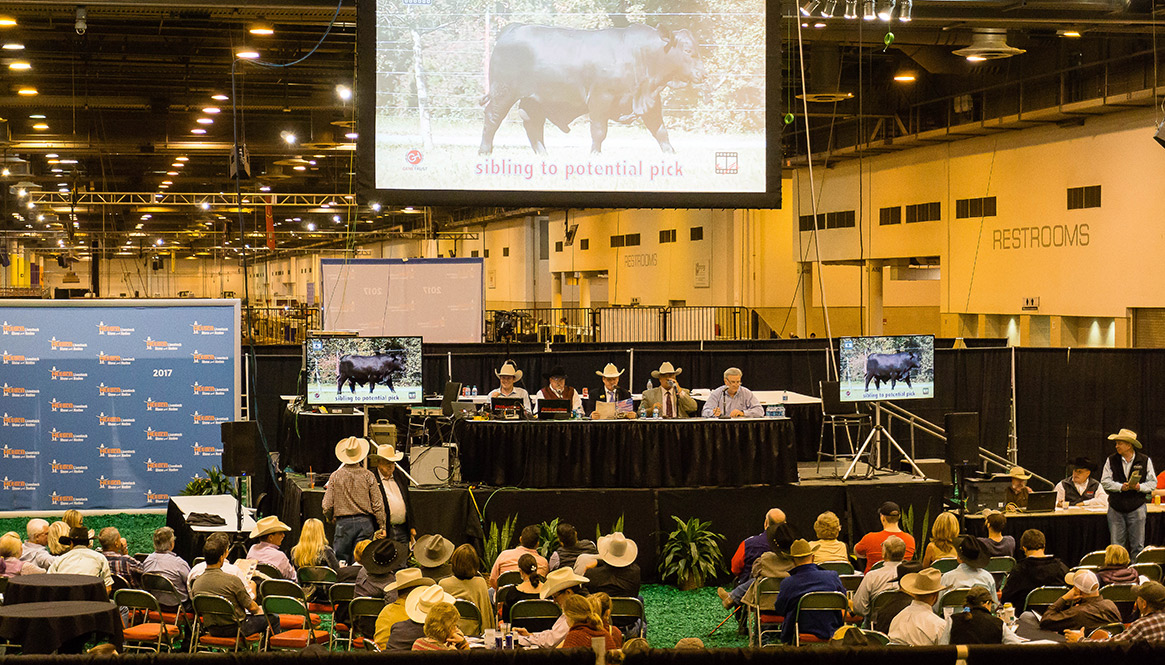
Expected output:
{"points": [[570, 103], [437, 299]]}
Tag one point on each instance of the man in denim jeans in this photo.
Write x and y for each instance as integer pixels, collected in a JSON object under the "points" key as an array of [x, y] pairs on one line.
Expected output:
{"points": [[352, 498], [1129, 480]]}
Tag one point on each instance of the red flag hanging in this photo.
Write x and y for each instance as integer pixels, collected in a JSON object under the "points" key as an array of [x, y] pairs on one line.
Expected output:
{"points": [[270, 225]]}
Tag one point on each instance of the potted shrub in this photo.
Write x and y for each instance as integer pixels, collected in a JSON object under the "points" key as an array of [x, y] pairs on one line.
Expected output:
{"points": [[215, 482], [691, 554]]}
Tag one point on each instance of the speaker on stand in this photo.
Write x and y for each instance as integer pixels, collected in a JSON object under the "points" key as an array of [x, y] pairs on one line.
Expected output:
{"points": [[241, 456], [962, 430]]}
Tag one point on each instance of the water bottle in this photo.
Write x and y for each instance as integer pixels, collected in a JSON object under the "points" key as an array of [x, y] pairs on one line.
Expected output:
{"points": [[642, 411], [649, 384], [655, 412], [780, 410], [475, 390]]}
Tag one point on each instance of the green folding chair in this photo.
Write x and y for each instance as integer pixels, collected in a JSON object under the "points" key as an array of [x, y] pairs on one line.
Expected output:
{"points": [[817, 601], [295, 639], [363, 608], [1040, 598], [140, 633], [341, 595], [1149, 570], [534, 614], [839, 567], [629, 611], [509, 577], [1093, 558], [945, 565], [1152, 555], [211, 605]]}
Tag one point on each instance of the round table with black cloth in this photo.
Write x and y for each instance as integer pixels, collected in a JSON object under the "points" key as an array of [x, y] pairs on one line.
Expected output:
{"points": [[49, 627], [628, 453], [54, 588]]}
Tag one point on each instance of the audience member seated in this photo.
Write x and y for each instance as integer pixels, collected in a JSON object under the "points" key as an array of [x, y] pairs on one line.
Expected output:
{"points": [[528, 589], [35, 549], [114, 548], [508, 559], [752, 547], [1149, 629], [942, 539], [1036, 569], [690, 644], [420, 602], [58, 538], [560, 586], [408, 582], [467, 583], [569, 547], [312, 548], [248, 616], [1016, 493], [348, 573], [616, 572], [774, 563], [1116, 568], [1081, 607], [584, 624], [74, 519], [870, 546], [227, 567], [918, 625], [10, 563], [882, 579], [892, 601], [977, 624], [441, 631], [997, 544], [80, 560], [269, 533], [971, 571], [602, 603], [432, 552], [807, 577], [163, 561], [637, 645], [829, 548], [1080, 488], [380, 562]]}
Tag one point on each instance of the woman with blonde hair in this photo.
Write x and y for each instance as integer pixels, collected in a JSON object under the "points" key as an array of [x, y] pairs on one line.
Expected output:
{"points": [[602, 603], [942, 539], [10, 564], [584, 623], [74, 519], [58, 530], [312, 548], [1116, 568], [441, 631], [829, 548]]}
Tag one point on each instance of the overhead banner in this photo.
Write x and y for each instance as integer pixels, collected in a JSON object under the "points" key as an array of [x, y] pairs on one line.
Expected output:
{"points": [[113, 404]]}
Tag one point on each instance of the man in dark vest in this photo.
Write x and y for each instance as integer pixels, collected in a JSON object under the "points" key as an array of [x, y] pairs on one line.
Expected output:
{"points": [[1129, 479], [1081, 488], [556, 388]]}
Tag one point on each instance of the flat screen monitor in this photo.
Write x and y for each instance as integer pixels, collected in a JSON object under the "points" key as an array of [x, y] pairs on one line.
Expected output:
{"points": [[570, 103], [885, 368], [452, 392], [347, 370]]}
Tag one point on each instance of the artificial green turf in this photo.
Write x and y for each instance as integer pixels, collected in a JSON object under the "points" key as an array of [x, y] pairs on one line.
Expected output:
{"points": [[137, 529]]}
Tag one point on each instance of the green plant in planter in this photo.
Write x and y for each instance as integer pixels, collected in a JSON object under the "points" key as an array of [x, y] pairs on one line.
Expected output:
{"points": [[548, 537], [617, 527], [691, 554], [215, 482], [498, 539]]}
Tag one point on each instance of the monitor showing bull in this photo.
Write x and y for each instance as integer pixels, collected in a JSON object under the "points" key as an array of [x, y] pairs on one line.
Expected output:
{"points": [[362, 370], [569, 103], [890, 367]]}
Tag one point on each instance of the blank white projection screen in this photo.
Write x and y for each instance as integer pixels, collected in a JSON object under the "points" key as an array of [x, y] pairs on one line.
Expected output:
{"points": [[438, 299]]}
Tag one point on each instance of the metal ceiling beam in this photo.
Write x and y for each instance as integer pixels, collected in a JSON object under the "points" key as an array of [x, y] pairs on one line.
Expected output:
{"points": [[220, 199]]}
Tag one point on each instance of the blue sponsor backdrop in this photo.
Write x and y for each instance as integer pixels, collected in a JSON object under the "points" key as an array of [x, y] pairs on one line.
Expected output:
{"points": [[112, 405]]}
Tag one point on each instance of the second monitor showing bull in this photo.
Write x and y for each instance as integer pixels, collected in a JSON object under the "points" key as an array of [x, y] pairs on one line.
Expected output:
{"points": [[886, 367]]}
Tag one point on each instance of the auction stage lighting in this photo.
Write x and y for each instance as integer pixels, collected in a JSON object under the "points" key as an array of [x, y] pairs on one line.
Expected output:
{"points": [[868, 12], [809, 7], [851, 9], [829, 8], [886, 10]]}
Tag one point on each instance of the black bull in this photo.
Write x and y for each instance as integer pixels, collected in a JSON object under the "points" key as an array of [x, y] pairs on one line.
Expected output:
{"points": [[890, 368], [372, 370], [559, 74]]}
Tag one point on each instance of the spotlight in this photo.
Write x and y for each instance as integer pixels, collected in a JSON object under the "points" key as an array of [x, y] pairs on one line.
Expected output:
{"points": [[868, 12], [809, 7], [829, 8], [904, 11], [851, 9], [205, 205], [247, 54], [288, 137], [886, 10], [344, 92], [19, 66], [262, 29], [219, 97]]}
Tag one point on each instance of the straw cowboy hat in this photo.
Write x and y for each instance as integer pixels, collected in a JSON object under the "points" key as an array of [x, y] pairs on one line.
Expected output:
{"points": [[666, 368], [407, 579], [269, 524], [352, 450], [610, 372], [922, 583], [558, 580], [801, 548], [383, 556], [508, 369], [422, 600], [616, 550], [386, 452], [1019, 473], [1126, 435], [433, 550]]}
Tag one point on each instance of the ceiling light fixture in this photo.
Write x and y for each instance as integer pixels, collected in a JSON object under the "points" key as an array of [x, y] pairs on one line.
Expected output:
{"points": [[7, 22], [38, 116], [288, 137], [299, 168], [868, 12], [265, 188], [198, 130], [886, 10], [1063, 33], [211, 110], [247, 54], [851, 9], [13, 46], [40, 126], [171, 173], [19, 66], [344, 92], [26, 92], [167, 182], [205, 121], [352, 136], [829, 8], [904, 76], [219, 97], [261, 29], [205, 205], [976, 58], [809, 6], [182, 159]]}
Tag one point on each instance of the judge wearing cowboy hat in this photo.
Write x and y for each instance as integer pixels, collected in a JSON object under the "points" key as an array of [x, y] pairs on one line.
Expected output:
{"points": [[269, 533], [612, 392], [1016, 493], [556, 388], [351, 498], [508, 375], [394, 492], [672, 400], [1129, 480]]}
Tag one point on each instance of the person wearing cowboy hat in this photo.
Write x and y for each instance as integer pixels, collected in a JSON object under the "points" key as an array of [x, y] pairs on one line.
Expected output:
{"points": [[807, 577], [394, 493], [432, 552], [351, 498], [971, 570], [1129, 480], [556, 388], [672, 400], [918, 625], [380, 560], [403, 634], [612, 393], [80, 560], [732, 400], [508, 375], [1016, 493], [615, 573], [408, 581], [1081, 488], [560, 584], [268, 535]]}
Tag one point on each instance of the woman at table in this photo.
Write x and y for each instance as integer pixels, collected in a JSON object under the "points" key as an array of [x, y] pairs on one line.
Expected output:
{"points": [[527, 589], [10, 563], [467, 583], [942, 539], [584, 624]]}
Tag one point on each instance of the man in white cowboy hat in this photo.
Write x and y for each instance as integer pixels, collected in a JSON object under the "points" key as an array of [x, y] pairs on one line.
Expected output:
{"points": [[394, 493], [732, 400], [615, 573], [1016, 493], [918, 625], [408, 581], [508, 375], [560, 584], [672, 400], [268, 534], [352, 499], [1129, 480], [807, 577], [403, 633], [612, 393], [556, 388]]}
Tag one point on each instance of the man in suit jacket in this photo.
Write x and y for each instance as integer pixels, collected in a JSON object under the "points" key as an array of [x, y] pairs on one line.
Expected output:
{"points": [[672, 400], [611, 391], [394, 490]]}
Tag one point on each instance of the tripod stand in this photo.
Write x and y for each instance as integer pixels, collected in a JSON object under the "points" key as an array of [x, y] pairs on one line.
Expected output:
{"points": [[877, 433]]}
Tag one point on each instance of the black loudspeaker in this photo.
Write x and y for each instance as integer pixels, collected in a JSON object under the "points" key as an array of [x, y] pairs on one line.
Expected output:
{"points": [[963, 438], [241, 452]]}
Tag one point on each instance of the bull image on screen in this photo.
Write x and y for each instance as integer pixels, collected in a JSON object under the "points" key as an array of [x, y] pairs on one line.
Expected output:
{"points": [[884, 368], [363, 370], [559, 74]]}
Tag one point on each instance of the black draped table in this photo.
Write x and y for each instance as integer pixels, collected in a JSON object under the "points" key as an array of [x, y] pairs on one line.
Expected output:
{"points": [[54, 588], [52, 626], [628, 453]]}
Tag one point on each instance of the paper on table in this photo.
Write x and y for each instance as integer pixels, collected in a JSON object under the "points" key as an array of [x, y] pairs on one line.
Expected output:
{"points": [[606, 410]]}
